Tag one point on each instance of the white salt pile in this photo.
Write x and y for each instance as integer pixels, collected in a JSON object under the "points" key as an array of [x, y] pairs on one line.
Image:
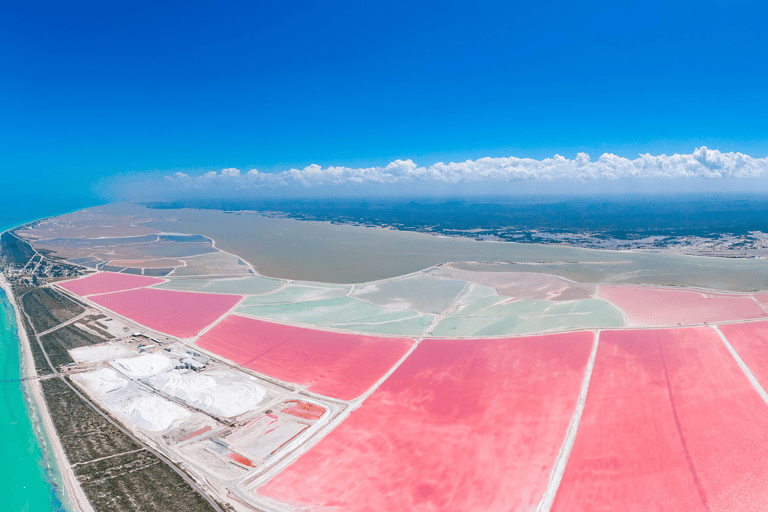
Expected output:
{"points": [[101, 381], [100, 352], [221, 392], [144, 365], [151, 412], [127, 399]]}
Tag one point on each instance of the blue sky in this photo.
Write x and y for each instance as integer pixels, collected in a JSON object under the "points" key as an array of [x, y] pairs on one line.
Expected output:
{"points": [[93, 89]]}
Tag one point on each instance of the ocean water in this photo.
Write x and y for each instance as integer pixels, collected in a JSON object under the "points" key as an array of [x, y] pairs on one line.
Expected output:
{"points": [[29, 478], [28, 475]]}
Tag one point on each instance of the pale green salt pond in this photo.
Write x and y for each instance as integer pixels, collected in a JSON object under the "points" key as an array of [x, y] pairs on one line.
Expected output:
{"points": [[254, 285], [490, 317], [296, 294], [474, 292], [420, 293], [216, 263], [410, 327], [343, 313]]}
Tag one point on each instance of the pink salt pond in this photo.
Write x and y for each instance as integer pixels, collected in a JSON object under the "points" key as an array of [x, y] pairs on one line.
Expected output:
{"points": [[669, 307], [334, 364], [304, 410], [750, 340], [107, 282], [670, 423], [465, 426], [181, 314]]}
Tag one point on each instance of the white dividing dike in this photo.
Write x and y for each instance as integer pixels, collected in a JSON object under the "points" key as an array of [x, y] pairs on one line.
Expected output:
{"points": [[562, 458], [742, 365]]}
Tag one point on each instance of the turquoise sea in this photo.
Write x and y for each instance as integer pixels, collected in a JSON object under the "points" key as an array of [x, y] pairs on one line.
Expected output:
{"points": [[29, 478]]}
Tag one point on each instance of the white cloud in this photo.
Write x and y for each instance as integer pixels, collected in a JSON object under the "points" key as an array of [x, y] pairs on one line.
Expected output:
{"points": [[231, 173], [702, 163]]}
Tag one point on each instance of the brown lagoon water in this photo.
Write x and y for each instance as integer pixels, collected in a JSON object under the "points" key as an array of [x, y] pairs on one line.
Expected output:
{"points": [[320, 251]]}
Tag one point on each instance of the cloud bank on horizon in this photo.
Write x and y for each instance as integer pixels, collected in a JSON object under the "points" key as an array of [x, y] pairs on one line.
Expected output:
{"points": [[702, 163], [485, 175]]}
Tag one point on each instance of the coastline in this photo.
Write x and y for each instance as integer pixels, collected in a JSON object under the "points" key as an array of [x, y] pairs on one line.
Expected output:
{"points": [[74, 498]]}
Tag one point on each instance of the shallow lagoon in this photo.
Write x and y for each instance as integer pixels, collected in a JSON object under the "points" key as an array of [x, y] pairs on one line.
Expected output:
{"points": [[319, 251]]}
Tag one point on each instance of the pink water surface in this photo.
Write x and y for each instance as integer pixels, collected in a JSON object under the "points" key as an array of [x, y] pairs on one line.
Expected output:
{"points": [[107, 282], [667, 307], [242, 460], [304, 410], [181, 314], [333, 364], [750, 340], [670, 423], [466, 426]]}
